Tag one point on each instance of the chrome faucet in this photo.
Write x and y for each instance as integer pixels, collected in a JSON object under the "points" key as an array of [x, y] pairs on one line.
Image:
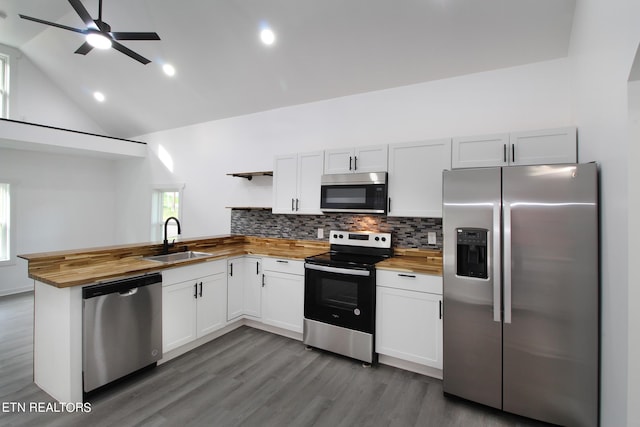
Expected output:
{"points": [[165, 244]]}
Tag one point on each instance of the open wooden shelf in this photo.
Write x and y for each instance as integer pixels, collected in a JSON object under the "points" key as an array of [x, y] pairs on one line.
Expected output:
{"points": [[250, 175], [249, 208]]}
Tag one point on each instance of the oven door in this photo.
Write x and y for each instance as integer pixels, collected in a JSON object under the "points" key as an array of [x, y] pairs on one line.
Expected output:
{"points": [[340, 296]]}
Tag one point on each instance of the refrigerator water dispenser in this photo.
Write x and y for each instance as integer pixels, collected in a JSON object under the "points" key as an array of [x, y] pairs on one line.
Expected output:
{"points": [[471, 258]]}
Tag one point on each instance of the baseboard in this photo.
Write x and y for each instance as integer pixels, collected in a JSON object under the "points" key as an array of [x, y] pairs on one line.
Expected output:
{"points": [[241, 321], [176, 352], [410, 366], [15, 291], [273, 329], [252, 323]]}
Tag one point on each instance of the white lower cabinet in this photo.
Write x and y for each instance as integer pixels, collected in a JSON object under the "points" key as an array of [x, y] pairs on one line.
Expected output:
{"points": [[252, 297], [235, 288], [244, 283], [194, 302], [283, 293], [409, 317]]}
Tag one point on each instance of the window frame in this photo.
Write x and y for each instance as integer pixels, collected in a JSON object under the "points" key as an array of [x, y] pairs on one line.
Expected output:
{"points": [[157, 224], [11, 227], [5, 87]]}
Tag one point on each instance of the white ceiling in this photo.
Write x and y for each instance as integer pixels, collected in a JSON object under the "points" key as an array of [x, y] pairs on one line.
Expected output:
{"points": [[324, 49]]}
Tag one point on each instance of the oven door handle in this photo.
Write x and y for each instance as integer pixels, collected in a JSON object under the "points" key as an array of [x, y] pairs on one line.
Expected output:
{"points": [[328, 269]]}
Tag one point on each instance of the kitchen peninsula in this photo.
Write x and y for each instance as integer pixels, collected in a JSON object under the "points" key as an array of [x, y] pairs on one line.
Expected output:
{"points": [[60, 277]]}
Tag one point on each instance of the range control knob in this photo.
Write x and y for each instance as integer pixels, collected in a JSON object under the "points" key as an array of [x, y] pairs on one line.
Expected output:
{"points": [[377, 238], [335, 236], [384, 239], [341, 236]]}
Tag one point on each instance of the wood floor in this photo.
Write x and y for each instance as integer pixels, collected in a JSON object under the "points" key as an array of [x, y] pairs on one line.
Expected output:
{"points": [[245, 378]]}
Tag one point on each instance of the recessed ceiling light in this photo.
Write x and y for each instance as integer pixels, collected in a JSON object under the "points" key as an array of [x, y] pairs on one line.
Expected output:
{"points": [[267, 36], [99, 96], [169, 70], [98, 40]]}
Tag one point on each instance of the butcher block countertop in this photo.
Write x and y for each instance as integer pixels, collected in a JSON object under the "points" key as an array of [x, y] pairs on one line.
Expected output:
{"points": [[414, 260], [64, 269]]}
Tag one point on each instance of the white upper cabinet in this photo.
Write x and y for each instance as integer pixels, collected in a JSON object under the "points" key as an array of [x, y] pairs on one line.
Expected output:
{"points": [[480, 151], [550, 146], [415, 177], [296, 183], [356, 160], [285, 181], [544, 147], [309, 175]]}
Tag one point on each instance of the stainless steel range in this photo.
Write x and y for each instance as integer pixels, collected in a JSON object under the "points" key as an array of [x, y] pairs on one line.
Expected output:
{"points": [[339, 297]]}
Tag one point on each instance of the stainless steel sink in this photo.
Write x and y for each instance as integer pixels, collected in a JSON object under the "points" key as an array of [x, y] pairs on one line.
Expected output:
{"points": [[178, 256]]}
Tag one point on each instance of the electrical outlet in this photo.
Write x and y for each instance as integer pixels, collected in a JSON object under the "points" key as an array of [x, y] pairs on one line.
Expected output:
{"points": [[320, 233], [431, 237]]}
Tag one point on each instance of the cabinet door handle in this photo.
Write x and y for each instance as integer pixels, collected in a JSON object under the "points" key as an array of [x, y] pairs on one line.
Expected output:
{"points": [[195, 290], [513, 152], [411, 276], [297, 203], [355, 163], [504, 153], [200, 289], [389, 209], [292, 202], [350, 159], [441, 309], [231, 269], [257, 267], [263, 280], [282, 261]]}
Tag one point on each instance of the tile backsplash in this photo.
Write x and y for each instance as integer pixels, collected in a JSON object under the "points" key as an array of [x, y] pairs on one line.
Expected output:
{"points": [[407, 232]]}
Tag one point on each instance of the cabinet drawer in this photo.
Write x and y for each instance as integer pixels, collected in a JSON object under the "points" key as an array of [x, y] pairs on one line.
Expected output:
{"points": [[409, 281], [283, 265], [193, 271]]}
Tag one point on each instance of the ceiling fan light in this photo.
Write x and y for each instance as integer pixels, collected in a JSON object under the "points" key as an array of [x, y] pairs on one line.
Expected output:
{"points": [[169, 70], [267, 36], [99, 41], [99, 96]]}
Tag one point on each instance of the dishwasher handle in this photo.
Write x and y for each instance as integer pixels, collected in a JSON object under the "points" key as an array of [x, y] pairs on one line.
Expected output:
{"points": [[124, 287], [129, 292]]}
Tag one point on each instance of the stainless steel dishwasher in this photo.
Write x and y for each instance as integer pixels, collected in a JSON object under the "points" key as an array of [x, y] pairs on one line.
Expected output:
{"points": [[122, 328]]}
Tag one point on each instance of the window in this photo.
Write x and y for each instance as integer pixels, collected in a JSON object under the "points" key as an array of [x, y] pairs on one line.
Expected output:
{"points": [[166, 203], [5, 223], [4, 86]]}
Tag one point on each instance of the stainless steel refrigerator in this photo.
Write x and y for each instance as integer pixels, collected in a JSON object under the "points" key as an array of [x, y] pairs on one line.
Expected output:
{"points": [[521, 290]]}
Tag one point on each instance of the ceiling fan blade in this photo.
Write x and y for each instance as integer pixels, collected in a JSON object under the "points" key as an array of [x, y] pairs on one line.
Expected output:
{"points": [[82, 13], [119, 35], [53, 24], [84, 48], [119, 47]]}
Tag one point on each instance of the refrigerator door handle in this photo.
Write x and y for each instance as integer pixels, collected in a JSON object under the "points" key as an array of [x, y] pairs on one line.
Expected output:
{"points": [[507, 263], [497, 286]]}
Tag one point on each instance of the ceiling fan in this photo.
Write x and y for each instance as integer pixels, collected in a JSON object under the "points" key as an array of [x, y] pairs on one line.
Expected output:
{"points": [[98, 33]]}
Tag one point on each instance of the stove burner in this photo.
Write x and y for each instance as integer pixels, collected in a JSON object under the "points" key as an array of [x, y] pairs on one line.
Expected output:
{"points": [[341, 259]]}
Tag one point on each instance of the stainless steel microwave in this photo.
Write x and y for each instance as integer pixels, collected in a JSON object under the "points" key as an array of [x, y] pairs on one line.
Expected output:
{"points": [[354, 193]]}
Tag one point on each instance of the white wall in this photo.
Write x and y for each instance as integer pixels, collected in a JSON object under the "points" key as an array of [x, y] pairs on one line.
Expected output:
{"points": [[521, 98], [35, 98], [61, 202], [604, 41], [634, 251]]}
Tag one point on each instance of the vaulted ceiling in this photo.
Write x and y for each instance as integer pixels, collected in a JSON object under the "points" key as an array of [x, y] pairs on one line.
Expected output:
{"points": [[324, 49]]}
